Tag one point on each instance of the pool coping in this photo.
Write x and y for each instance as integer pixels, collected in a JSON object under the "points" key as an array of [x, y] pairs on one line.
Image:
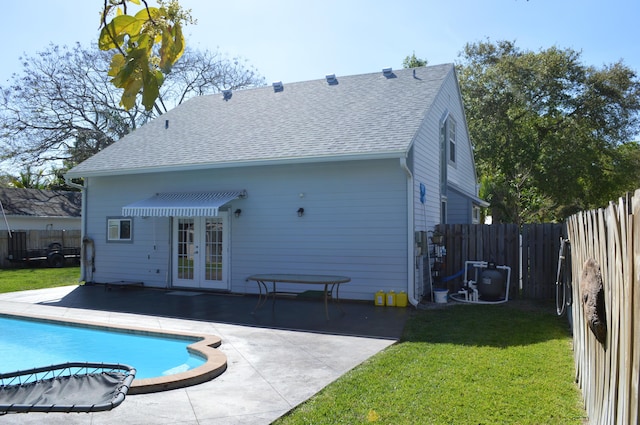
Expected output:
{"points": [[206, 346]]}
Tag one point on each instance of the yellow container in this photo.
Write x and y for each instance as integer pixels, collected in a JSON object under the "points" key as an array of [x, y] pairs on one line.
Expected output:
{"points": [[401, 299], [391, 298], [379, 298]]}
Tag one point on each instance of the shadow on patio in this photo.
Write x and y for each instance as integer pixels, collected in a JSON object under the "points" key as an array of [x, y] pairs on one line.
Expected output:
{"points": [[358, 319]]}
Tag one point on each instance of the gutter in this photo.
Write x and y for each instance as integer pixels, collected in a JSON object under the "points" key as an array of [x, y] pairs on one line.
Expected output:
{"points": [[411, 274], [74, 173], [83, 221]]}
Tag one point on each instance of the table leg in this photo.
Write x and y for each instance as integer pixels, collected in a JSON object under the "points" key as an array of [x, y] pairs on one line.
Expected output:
{"points": [[261, 301], [326, 307], [273, 303], [336, 299]]}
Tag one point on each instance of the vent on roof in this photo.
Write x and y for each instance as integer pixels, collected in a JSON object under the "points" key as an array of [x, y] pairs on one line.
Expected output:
{"points": [[388, 72], [278, 87], [331, 79], [226, 94]]}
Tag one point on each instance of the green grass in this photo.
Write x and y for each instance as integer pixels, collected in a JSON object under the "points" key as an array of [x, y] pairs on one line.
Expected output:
{"points": [[12, 280], [463, 364]]}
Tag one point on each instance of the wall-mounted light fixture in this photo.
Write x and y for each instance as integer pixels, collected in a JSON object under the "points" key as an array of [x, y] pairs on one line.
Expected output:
{"points": [[237, 212], [300, 212]]}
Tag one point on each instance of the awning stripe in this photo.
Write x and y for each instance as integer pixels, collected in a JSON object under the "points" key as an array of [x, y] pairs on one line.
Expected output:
{"points": [[182, 204]]}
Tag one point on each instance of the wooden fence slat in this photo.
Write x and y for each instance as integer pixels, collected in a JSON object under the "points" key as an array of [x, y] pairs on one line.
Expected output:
{"points": [[634, 320]]}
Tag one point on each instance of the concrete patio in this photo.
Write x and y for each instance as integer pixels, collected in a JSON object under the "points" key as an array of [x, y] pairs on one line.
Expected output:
{"points": [[276, 358]]}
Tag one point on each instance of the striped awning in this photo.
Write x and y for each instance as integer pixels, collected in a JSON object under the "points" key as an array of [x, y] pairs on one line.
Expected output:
{"points": [[183, 204]]}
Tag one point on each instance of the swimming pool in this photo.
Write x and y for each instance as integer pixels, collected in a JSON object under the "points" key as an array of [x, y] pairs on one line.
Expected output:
{"points": [[162, 360]]}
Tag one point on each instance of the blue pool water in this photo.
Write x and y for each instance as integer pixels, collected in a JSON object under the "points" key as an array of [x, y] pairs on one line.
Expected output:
{"points": [[25, 344]]}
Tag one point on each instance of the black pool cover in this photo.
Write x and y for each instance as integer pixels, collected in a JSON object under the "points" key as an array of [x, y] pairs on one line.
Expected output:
{"points": [[68, 387]]}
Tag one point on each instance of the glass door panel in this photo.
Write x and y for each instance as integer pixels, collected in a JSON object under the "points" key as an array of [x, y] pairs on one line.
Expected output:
{"points": [[200, 244], [185, 251], [213, 260]]}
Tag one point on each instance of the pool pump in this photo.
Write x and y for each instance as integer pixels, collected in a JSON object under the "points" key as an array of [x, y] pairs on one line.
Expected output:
{"points": [[484, 283]]}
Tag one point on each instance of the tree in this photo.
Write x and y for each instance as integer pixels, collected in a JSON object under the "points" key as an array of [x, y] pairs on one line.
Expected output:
{"points": [[413, 62], [146, 45], [62, 108], [551, 135], [29, 179]]}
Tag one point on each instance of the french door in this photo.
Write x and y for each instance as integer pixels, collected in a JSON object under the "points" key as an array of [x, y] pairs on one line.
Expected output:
{"points": [[200, 247]]}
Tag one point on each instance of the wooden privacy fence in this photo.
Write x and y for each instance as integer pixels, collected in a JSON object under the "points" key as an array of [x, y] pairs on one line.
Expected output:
{"points": [[22, 240], [609, 373], [531, 251]]}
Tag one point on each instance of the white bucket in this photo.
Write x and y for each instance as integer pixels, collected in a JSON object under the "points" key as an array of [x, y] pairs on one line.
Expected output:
{"points": [[440, 295]]}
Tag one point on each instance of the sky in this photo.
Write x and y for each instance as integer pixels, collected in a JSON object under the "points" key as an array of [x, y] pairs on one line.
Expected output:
{"points": [[299, 40]]}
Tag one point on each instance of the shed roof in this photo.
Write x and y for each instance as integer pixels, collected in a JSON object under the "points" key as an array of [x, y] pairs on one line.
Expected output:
{"points": [[41, 203], [353, 117]]}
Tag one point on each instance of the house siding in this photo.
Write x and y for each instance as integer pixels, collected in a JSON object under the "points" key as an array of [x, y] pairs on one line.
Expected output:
{"points": [[354, 224], [458, 208]]}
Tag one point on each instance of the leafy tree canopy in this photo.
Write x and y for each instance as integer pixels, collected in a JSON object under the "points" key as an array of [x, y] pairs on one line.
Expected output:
{"points": [[62, 107], [551, 135], [413, 62]]}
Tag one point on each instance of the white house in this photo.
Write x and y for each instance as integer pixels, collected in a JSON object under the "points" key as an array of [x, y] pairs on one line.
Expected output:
{"points": [[37, 209], [332, 176]]}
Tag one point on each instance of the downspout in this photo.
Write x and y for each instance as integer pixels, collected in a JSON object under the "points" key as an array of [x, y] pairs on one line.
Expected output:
{"points": [[411, 273], [83, 220]]}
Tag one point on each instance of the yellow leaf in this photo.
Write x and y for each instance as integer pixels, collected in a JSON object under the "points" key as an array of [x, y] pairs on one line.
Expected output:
{"points": [[172, 48], [130, 93], [373, 416], [144, 13], [116, 31], [135, 2], [117, 63]]}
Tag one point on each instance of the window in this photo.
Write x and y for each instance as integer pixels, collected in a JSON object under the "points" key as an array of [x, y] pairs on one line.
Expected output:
{"points": [[119, 229], [475, 215], [452, 140]]}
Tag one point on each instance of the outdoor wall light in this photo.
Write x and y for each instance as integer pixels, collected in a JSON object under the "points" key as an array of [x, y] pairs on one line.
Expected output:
{"points": [[300, 212], [237, 212]]}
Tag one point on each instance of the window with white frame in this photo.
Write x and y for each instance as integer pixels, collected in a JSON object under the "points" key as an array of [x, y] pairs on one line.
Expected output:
{"points": [[119, 229], [452, 140], [475, 215]]}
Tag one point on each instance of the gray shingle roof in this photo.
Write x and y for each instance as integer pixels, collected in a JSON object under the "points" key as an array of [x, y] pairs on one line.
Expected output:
{"points": [[41, 203], [368, 115]]}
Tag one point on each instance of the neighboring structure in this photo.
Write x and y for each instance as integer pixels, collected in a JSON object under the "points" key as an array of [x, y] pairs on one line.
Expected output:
{"points": [[36, 209], [332, 176]]}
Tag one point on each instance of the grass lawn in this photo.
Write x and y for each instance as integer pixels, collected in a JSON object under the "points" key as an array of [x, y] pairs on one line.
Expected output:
{"points": [[12, 280], [462, 364]]}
